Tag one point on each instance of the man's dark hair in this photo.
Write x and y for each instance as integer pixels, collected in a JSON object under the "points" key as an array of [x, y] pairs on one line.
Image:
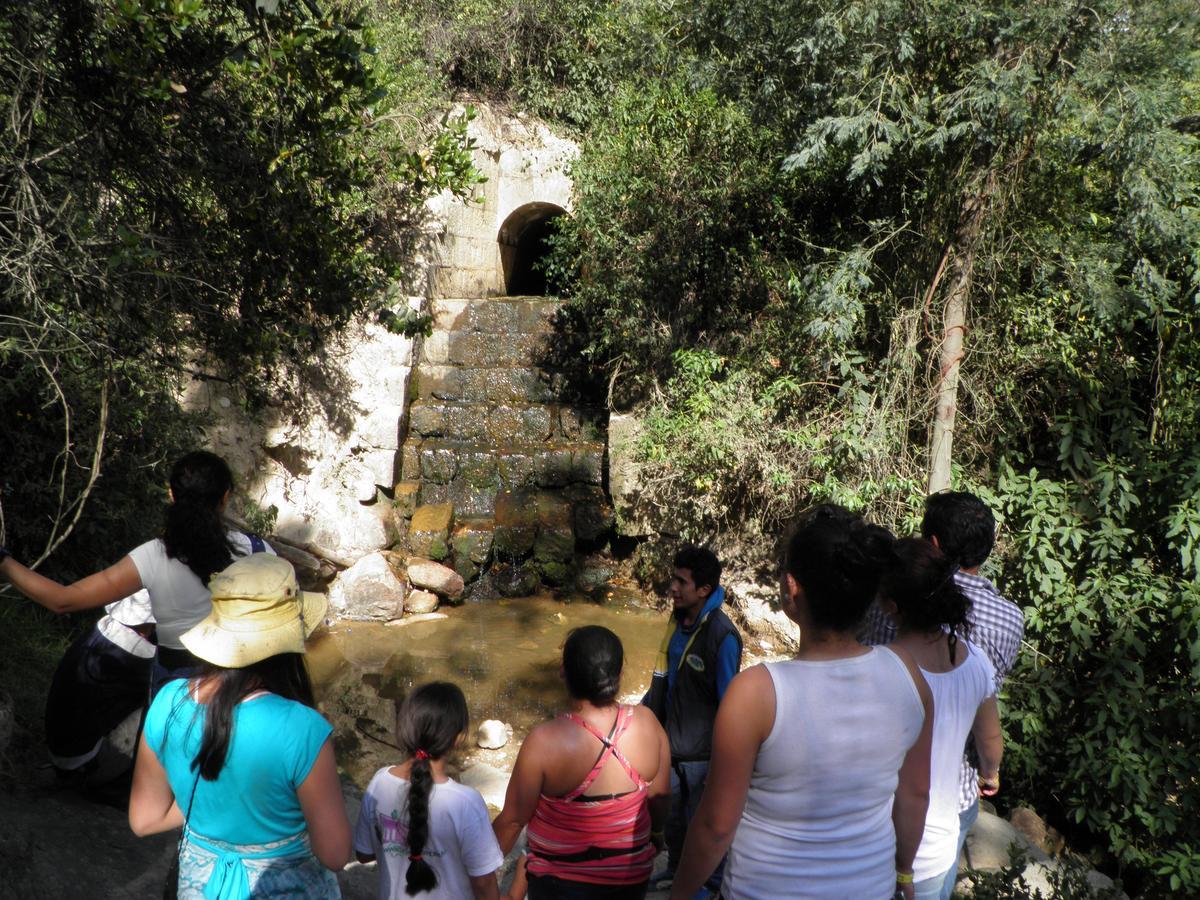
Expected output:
{"points": [[963, 525], [702, 563]]}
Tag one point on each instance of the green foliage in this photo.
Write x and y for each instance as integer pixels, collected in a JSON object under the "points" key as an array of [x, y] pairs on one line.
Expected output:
{"points": [[1107, 698], [557, 60], [678, 217], [186, 190], [763, 237]]}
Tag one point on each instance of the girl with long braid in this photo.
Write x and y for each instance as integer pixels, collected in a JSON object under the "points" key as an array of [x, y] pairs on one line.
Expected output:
{"points": [[430, 834]]}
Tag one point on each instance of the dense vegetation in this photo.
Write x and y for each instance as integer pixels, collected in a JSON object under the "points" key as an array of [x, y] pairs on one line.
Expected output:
{"points": [[187, 189], [782, 208]]}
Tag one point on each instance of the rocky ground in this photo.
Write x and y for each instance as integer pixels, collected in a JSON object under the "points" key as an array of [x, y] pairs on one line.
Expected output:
{"points": [[56, 843]]}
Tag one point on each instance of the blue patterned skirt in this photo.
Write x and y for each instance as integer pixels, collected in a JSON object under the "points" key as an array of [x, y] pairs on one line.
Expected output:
{"points": [[217, 870]]}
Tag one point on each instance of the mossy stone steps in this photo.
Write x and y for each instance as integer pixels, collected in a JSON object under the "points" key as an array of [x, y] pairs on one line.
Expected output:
{"points": [[485, 418]]}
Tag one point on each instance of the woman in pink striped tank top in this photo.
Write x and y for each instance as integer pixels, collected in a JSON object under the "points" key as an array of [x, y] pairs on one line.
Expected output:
{"points": [[593, 785]]}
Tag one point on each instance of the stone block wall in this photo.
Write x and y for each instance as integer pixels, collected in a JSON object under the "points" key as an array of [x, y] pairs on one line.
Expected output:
{"points": [[380, 437]]}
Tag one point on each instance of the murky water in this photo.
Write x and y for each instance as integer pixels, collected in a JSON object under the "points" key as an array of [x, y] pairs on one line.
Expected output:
{"points": [[503, 654]]}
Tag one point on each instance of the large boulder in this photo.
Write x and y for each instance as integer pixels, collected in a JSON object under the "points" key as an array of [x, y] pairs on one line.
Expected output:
{"points": [[429, 530], [433, 576], [989, 840], [988, 850], [369, 589], [345, 530]]}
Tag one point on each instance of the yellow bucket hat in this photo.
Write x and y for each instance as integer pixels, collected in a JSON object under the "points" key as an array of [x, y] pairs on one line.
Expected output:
{"points": [[258, 610]]}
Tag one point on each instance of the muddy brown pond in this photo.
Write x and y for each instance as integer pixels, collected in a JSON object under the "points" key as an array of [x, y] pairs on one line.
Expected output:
{"points": [[504, 654]]}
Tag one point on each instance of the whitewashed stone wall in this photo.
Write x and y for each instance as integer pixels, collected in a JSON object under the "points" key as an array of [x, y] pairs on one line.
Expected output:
{"points": [[524, 163], [324, 477]]}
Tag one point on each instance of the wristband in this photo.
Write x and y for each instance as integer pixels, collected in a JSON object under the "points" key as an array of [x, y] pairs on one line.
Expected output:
{"points": [[904, 878]]}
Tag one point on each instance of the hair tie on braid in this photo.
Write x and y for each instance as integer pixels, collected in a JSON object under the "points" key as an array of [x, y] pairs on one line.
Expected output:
{"points": [[421, 754], [414, 857]]}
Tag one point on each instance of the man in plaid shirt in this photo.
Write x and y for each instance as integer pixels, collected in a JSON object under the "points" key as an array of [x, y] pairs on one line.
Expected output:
{"points": [[962, 527]]}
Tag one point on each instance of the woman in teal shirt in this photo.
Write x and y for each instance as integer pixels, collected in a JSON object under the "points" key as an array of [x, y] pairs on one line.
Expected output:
{"points": [[239, 756]]}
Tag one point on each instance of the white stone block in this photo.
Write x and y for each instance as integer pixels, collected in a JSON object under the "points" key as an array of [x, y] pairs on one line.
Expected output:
{"points": [[381, 464]]}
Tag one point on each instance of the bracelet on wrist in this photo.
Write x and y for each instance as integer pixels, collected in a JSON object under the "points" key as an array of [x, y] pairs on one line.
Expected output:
{"points": [[904, 878]]}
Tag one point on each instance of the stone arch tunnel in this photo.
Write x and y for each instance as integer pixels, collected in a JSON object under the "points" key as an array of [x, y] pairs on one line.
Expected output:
{"points": [[524, 240]]}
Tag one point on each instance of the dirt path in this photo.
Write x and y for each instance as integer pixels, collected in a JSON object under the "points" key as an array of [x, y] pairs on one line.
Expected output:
{"points": [[57, 845]]}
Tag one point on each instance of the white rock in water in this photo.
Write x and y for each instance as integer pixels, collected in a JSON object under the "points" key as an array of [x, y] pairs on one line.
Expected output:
{"points": [[492, 735], [421, 602], [368, 590]]}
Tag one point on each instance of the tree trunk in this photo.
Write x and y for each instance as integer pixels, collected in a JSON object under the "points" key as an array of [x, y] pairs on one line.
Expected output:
{"points": [[961, 254]]}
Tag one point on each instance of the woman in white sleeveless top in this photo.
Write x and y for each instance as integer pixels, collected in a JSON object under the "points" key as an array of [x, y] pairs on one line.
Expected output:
{"points": [[930, 612], [820, 769]]}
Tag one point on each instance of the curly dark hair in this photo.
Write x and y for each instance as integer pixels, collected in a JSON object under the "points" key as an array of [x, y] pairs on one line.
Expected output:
{"points": [[838, 559], [963, 525]]}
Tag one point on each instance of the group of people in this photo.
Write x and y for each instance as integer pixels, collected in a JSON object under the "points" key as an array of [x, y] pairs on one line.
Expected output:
{"points": [[852, 770]]}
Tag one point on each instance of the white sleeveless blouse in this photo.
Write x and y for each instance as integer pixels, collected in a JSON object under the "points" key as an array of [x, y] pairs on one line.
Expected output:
{"points": [[818, 816]]}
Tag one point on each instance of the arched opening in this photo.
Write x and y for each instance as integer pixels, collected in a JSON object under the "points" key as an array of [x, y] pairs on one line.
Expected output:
{"points": [[524, 243]]}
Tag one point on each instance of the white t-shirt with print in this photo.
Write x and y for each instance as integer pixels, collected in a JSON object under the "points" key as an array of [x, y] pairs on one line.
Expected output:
{"points": [[461, 843], [179, 599]]}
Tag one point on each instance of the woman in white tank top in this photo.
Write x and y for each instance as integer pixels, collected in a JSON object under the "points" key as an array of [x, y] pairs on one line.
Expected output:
{"points": [[930, 612], [173, 568], [819, 777]]}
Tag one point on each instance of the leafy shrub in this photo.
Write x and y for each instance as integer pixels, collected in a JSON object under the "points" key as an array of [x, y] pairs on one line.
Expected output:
{"points": [[678, 214], [1103, 704], [763, 239]]}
